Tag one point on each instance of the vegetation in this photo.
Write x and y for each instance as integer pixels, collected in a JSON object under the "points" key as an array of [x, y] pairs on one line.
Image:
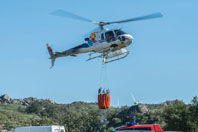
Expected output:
{"points": [[86, 117], [182, 117]]}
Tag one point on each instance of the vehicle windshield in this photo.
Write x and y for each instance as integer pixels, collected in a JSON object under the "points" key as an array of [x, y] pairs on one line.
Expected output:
{"points": [[119, 32]]}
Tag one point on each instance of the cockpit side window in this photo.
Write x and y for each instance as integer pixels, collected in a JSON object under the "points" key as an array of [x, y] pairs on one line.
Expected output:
{"points": [[109, 34], [119, 32], [102, 36]]}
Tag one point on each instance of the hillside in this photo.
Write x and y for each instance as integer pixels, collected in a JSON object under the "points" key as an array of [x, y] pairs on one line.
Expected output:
{"points": [[86, 117]]}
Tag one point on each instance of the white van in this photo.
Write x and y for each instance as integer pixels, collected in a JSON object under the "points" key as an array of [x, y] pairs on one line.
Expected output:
{"points": [[40, 129]]}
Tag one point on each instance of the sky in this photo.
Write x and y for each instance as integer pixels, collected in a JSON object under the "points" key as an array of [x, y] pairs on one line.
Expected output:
{"points": [[162, 65]]}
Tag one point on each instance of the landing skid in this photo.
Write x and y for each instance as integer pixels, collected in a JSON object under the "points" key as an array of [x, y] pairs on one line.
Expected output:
{"points": [[118, 58], [105, 59], [91, 58]]}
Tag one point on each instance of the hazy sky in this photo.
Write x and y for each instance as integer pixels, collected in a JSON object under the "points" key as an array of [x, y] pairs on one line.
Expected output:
{"points": [[163, 64]]}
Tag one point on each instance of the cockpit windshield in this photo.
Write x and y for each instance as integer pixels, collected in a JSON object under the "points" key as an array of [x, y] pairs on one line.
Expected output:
{"points": [[109, 34], [119, 32]]}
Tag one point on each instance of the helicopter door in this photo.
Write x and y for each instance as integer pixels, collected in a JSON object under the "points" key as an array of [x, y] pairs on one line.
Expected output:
{"points": [[110, 36], [102, 36]]}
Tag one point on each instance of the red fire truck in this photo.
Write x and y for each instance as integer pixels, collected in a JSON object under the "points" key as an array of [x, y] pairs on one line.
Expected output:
{"points": [[141, 128]]}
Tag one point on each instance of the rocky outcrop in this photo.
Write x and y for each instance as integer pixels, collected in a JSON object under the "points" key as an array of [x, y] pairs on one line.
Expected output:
{"points": [[140, 108], [168, 103], [3, 130], [5, 99]]}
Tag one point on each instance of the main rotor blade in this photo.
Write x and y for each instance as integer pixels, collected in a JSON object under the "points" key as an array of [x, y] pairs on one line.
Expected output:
{"points": [[150, 16], [67, 14]]}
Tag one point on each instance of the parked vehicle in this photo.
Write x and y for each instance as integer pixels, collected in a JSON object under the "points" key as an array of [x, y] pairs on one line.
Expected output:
{"points": [[141, 128], [40, 129]]}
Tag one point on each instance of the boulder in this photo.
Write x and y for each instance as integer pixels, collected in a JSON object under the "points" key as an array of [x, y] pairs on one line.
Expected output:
{"points": [[3, 130], [138, 108], [5, 99], [142, 108], [50, 101]]}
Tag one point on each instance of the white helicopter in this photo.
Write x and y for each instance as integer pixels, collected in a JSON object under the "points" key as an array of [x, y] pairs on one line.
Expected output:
{"points": [[107, 43]]}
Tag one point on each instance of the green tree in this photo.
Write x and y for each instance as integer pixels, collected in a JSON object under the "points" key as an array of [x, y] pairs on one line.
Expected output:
{"points": [[194, 114], [176, 116], [35, 107], [182, 117]]}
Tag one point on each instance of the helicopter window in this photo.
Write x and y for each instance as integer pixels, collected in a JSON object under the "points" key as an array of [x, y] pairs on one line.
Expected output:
{"points": [[109, 34], [102, 36], [119, 32]]}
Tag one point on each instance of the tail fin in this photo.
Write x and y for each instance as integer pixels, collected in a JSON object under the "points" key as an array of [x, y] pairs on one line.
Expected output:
{"points": [[52, 56]]}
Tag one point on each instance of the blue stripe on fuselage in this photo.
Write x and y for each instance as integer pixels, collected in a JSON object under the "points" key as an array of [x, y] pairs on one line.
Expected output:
{"points": [[81, 46]]}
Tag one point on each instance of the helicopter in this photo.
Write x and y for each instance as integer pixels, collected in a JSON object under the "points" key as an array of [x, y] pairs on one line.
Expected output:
{"points": [[108, 44]]}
